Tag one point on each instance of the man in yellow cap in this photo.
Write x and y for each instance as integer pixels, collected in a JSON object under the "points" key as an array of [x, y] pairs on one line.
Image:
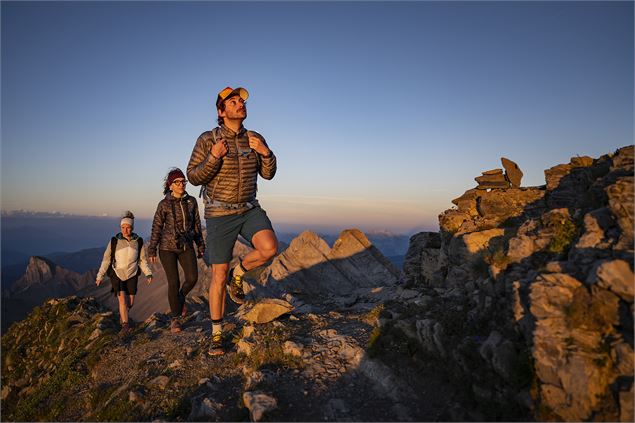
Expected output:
{"points": [[226, 161]]}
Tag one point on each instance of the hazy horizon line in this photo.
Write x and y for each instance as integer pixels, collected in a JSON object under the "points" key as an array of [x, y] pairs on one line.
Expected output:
{"points": [[286, 227]]}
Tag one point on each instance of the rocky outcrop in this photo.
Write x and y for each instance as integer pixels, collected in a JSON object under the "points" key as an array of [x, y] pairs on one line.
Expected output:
{"points": [[310, 266], [424, 259], [535, 306]]}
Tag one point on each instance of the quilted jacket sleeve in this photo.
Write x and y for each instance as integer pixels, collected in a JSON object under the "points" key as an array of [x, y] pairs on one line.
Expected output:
{"points": [[157, 228], [203, 166], [267, 165]]}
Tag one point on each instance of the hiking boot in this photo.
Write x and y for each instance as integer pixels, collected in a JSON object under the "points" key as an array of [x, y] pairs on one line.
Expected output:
{"points": [[125, 330], [235, 285], [216, 346], [175, 326]]}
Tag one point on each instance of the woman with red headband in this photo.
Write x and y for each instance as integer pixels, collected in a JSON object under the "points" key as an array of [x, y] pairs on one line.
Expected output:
{"points": [[175, 229]]}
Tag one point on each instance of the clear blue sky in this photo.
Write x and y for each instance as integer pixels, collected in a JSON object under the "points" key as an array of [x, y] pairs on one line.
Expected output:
{"points": [[380, 113]]}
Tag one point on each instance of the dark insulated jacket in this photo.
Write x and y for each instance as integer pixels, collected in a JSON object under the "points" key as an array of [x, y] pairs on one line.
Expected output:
{"points": [[233, 178], [176, 225]]}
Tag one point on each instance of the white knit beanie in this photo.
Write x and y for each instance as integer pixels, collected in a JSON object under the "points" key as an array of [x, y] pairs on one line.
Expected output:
{"points": [[127, 220]]}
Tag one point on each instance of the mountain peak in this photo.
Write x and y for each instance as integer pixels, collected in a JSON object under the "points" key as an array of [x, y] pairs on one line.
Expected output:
{"points": [[309, 239], [39, 269], [350, 241]]}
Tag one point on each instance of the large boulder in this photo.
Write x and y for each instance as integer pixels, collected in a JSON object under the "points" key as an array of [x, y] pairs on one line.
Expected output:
{"points": [[309, 266], [264, 310]]}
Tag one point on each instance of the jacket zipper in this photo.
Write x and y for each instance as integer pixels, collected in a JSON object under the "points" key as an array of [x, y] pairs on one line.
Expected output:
{"points": [[182, 212], [240, 168]]}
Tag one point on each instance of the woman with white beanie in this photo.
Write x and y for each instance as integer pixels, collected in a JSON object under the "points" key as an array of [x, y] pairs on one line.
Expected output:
{"points": [[124, 259]]}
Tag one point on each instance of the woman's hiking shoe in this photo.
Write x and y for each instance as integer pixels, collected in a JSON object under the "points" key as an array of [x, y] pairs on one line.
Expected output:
{"points": [[125, 330], [175, 326], [216, 346], [236, 292]]}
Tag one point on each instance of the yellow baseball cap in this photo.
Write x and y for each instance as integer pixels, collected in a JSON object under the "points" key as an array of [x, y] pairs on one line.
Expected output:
{"points": [[230, 92]]}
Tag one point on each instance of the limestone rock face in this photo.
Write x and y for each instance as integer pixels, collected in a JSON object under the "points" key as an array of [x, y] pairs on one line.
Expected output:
{"points": [[309, 266], [616, 276], [479, 209], [621, 203], [357, 258], [537, 284], [562, 320], [423, 259], [466, 247]]}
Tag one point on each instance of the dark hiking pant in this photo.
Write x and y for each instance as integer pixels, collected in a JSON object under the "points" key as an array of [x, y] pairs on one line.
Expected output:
{"points": [[176, 291]]}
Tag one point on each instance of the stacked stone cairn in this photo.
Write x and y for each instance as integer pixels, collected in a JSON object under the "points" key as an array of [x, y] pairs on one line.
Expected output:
{"points": [[495, 179]]}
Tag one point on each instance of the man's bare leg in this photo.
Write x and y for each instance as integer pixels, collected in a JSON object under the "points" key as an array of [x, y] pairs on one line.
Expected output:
{"points": [[265, 248], [217, 290], [217, 306]]}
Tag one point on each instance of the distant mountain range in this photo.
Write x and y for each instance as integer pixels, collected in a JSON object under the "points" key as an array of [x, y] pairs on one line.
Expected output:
{"points": [[77, 242], [63, 274]]}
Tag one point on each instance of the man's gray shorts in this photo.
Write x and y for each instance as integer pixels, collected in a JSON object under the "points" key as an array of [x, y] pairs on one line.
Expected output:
{"points": [[223, 231]]}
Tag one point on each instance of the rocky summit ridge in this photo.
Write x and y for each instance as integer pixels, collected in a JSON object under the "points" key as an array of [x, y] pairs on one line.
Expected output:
{"points": [[531, 293], [520, 308]]}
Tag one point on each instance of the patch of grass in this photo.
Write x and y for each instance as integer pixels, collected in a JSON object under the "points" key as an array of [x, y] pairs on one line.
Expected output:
{"points": [[372, 317], [565, 232], [178, 408], [390, 341], [118, 411], [50, 399], [499, 258], [270, 351], [374, 336]]}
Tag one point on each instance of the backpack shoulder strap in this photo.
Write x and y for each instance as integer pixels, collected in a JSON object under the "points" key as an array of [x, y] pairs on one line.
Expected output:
{"points": [[216, 134], [140, 245], [113, 247]]}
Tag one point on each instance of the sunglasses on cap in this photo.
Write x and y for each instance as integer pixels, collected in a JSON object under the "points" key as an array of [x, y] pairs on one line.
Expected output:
{"points": [[229, 91]]}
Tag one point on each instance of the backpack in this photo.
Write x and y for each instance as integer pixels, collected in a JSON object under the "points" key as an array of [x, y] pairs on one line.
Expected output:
{"points": [[113, 246]]}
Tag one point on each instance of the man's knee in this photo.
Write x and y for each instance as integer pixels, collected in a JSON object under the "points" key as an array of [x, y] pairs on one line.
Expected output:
{"points": [[219, 274], [269, 251]]}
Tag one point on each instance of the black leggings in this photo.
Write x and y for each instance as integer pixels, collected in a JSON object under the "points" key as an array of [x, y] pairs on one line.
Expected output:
{"points": [[176, 292]]}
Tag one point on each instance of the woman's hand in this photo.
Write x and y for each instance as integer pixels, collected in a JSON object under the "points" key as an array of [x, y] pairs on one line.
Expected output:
{"points": [[97, 282], [152, 259]]}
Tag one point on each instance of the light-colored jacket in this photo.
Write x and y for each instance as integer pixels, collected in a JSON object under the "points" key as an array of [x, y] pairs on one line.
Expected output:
{"points": [[126, 253], [231, 179]]}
